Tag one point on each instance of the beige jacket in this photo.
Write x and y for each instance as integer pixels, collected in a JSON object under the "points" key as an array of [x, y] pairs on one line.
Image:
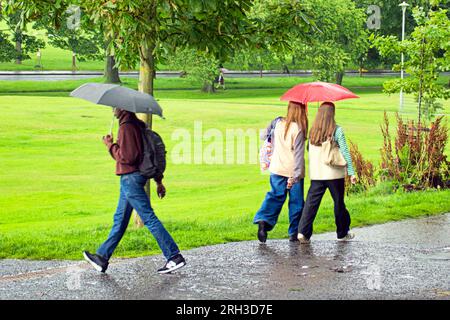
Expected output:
{"points": [[319, 170], [288, 158]]}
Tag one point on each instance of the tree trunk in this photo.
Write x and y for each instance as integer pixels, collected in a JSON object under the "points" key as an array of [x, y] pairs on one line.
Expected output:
{"points": [[339, 77], [111, 72], [19, 48], [74, 61], [208, 87], [146, 77]]}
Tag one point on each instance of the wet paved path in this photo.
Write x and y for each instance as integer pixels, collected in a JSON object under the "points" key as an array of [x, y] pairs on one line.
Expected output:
{"points": [[79, 75], [400, 260]]}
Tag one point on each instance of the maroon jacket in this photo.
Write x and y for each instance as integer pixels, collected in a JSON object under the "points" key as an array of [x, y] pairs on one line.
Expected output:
{"points": [[128, 149]]}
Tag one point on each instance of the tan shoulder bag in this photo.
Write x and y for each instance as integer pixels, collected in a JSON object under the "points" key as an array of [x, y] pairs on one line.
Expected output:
{"points": [[331, 155]]}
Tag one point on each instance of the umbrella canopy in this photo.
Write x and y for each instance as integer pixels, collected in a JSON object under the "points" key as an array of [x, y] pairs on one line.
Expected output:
{"points": [[317, 91], [118, 97]]}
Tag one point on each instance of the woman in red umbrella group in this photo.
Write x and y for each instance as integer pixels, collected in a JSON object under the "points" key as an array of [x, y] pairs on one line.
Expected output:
{"points": [[329, 163]]}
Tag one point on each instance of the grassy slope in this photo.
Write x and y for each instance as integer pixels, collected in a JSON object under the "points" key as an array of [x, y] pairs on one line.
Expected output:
{"points": [[52, 58], [58, 193], [272, 86]]}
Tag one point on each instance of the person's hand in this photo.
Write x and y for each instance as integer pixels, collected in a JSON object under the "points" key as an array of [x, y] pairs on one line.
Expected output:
{"points": [[161, 190], [290, 183], [353, 179], [107, 140]]}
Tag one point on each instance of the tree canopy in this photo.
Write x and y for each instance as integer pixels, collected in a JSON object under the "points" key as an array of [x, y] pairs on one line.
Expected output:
{"points": [[427, 53]]}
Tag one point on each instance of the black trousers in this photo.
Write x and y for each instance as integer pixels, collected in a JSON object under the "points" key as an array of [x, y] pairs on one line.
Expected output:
{"points": [[315, 194]]}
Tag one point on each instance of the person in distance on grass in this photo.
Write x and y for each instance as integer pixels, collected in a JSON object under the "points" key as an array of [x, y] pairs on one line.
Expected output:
{"points": [[325, 176], [287, 171], [128, 151], [220, 80]]}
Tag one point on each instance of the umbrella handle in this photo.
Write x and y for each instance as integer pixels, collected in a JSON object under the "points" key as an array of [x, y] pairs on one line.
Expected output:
{"points": [[112, 126]]}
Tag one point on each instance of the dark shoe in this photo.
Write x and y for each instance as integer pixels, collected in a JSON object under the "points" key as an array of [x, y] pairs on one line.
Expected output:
{"points": [[294, 238], [98, 262], [173, 264], [262, 233]]}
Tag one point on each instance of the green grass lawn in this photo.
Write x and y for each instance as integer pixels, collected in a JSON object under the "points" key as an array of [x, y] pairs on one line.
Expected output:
{"points": [[51, 58], [272, 86], [58, 191]]}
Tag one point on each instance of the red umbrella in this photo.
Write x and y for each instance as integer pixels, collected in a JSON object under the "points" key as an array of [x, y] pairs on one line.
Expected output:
{"points": [[317, 91]]}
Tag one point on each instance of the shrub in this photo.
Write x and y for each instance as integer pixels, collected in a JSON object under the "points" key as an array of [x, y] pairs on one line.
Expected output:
{"points": [[364, 170], [418, 161]]}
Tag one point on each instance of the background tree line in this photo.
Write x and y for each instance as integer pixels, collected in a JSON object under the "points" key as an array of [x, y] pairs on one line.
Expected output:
{"points": [[195, 37]]}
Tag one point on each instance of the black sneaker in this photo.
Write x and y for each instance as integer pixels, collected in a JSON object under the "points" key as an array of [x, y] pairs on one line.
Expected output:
{"points": [[262, 233], [173, 264], [98, 262], [294, 238]]}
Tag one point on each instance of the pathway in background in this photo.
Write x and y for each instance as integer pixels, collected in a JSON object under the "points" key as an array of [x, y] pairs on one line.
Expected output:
{"points": [[399, 260], [79, 75]]}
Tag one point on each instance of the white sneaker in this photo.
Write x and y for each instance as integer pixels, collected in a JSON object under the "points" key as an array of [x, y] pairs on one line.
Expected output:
{"points": [[303, 239], [348, 237]]}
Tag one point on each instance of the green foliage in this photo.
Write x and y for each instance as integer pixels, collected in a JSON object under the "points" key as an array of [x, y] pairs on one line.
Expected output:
{"points": [[391, 25], [327, 60], [427, 55], [391, 15], [32, 10], [342, 38], [279, 24], [7, 50], [383, 188], [198, 66], [28, 44], [276, 26], [327, 34], [255, 58], [213, 26], [86, 41]]}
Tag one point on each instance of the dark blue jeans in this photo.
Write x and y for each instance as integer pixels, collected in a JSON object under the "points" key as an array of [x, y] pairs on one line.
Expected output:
{"points": [[274, 201], [133, 196]]}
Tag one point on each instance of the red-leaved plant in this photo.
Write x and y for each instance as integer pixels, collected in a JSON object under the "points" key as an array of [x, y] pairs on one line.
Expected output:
{"points": [[419, 160]]}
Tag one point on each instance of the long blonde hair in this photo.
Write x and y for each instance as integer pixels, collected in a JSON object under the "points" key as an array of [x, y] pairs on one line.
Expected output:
{"points": [[297, 113], [324, 124]]}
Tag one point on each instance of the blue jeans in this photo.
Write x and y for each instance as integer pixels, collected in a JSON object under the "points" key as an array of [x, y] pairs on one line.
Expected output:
{"points": [[274, 201], [133, 196]]}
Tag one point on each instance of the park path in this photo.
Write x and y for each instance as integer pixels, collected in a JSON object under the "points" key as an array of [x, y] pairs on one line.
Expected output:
{"points": [[399, 260], [79, 75]]}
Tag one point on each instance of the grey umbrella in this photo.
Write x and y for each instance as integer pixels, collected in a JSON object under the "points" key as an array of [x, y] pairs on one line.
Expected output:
{"points": [[118, 97]]}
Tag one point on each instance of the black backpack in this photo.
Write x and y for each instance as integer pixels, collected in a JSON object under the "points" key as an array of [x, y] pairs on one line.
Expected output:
{"points": [[153, 162]]}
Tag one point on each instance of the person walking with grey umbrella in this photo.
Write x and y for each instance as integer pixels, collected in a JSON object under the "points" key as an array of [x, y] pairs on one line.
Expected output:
{"points": [[140, 155], [128, 152]]}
